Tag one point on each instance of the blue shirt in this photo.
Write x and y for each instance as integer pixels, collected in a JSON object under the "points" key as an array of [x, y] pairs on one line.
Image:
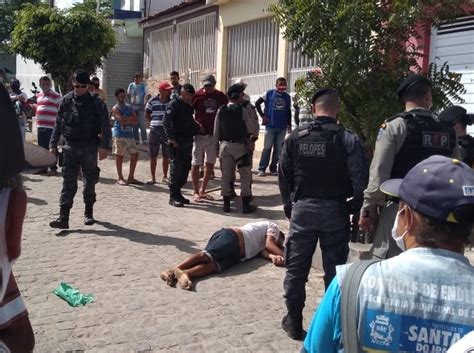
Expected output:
{"points": [[127, 130], [277, 109], [407, 303], [157, 109], [137, 95]]}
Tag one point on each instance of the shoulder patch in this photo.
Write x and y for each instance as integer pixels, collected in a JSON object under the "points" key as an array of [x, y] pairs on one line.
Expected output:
{"points": [[304, 132]]}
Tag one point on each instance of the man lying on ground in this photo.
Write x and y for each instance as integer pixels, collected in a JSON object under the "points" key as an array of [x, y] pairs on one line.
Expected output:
{"points": [[226, 248]]}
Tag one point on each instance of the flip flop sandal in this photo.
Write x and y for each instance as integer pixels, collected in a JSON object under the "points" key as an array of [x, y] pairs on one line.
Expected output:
{"points": [[197, 198], [207, 197], [121, 182]]}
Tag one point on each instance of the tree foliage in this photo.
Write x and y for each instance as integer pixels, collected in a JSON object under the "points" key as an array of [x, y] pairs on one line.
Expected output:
{"points": [[363, 48], [105, 7], [62, 41], [8, 8]]}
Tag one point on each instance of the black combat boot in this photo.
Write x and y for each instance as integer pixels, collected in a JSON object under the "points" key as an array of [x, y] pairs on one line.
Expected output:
{"points": [[292, 324], [175, 199], [183, 200], [62, 222], [246, 206], [226, 207], [89, 215]]}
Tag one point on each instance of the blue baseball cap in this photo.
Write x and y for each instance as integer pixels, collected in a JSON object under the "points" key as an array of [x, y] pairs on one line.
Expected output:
{"points": [[435, 187]]}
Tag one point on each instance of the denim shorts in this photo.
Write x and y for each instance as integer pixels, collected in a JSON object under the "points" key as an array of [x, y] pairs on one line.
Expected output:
{"points": [[223, 248], [157, 138]]}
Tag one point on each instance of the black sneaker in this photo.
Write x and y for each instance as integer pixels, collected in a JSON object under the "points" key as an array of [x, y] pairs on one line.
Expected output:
{"points": [[176, 203], [60, 223], [89, 220], [294, 330]]}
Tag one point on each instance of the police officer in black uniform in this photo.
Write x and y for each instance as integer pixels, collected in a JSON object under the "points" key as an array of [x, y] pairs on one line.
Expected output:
{"points": [[180, 128], [404, 140], [82, 117], [321, 166], [458, 117]]}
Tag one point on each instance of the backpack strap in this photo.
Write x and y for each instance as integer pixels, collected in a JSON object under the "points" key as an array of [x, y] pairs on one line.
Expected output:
{"points": [[349, 299]]}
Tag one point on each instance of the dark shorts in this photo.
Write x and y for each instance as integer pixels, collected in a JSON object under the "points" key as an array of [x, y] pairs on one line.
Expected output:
{"points": [[223, 249], [157, 138]]}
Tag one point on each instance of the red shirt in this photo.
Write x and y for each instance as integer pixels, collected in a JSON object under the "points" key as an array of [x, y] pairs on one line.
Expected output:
{"points": [[206, 105]]}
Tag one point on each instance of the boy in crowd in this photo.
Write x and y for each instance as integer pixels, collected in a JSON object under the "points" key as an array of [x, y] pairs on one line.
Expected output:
{"points": [[122, 135], [226, 248], [155, 112]]}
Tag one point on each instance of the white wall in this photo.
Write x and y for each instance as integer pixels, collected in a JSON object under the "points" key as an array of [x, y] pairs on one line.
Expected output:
{"points": [[27, 71]]}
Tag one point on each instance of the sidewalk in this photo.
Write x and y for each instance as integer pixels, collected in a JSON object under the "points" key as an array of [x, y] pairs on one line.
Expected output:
{"points": [[119, 260]]}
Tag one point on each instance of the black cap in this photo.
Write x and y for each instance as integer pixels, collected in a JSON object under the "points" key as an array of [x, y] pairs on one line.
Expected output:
{"points": [[410, 81], [435, 187], [456, 114], [188, 88], [321, 92], [235, 90], [82, 76]]}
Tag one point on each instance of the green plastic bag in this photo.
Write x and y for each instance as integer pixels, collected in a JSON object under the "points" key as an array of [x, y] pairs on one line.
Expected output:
{"points": [[72, 296]]}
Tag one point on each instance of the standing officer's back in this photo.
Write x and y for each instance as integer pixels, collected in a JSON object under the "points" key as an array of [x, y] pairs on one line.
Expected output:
{"points": [[404, 140], [82, 117], [322, 164]]}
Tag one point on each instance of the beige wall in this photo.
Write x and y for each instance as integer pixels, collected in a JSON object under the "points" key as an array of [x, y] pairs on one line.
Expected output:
{"points": [[237, 12]]}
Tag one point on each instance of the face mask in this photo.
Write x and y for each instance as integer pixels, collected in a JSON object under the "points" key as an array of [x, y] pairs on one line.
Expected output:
{"points": [[398, 239]]}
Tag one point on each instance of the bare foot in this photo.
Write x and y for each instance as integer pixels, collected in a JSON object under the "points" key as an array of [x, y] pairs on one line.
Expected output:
{"points": [[205, 196], [197, 198], [183, 279], [121, 182], [168, 276]]}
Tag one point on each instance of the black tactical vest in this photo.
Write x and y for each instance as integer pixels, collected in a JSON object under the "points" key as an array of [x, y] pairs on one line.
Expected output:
{"points": [[320, 162], [425, 137], [231, 124], [81, 122]]}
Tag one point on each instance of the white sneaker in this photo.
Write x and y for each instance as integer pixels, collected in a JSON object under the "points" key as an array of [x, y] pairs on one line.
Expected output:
{"points": [[261, 173]]}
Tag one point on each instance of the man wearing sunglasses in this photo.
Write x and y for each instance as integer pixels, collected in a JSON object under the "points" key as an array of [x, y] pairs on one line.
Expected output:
{"points": [[82, 118]]}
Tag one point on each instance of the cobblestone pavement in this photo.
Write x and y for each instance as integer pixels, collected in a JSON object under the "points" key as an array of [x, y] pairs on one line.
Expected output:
{"points": [[119, 259]]}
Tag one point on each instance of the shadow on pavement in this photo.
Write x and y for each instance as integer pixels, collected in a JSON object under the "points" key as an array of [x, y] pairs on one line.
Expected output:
{"points": [[136, 236], [37, 202]]}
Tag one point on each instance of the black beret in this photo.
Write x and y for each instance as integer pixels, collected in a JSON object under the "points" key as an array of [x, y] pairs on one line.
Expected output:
{"points": [[410, 81], [82, 76], [456, 113], [321, 92], [235, 90], [189, 88]]}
